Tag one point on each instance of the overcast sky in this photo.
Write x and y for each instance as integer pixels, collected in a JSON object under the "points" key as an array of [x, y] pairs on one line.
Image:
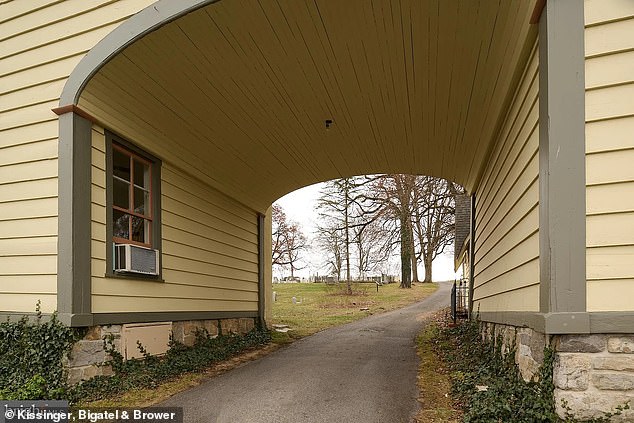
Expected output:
{"points": [[300, 206]]}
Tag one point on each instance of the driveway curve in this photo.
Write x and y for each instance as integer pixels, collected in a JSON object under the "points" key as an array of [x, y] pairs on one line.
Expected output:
{"points": [[363, 371]]}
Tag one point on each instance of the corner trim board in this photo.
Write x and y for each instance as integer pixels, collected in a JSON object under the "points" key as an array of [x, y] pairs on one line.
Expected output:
{"points": [[472, 247], [74, 215], [261, 261], [562, 175]]}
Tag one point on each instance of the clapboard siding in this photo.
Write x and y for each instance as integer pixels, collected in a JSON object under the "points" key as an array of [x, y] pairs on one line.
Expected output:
{"points": [[41, 42], [611, 294], [522, 299], [507, 213], [610, 154], [600, 11], [27, 302], [209, 249]]}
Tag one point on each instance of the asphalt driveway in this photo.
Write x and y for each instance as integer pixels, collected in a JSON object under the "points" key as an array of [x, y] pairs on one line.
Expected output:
{"points": [[360, 372]]}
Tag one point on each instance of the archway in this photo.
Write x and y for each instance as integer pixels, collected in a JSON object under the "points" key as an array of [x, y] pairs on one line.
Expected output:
{"points": [[244, 91], [244, 103]]}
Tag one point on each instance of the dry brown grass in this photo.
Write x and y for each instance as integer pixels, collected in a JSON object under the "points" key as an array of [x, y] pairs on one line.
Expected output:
{"points": [[436, 404], [319, 306]]}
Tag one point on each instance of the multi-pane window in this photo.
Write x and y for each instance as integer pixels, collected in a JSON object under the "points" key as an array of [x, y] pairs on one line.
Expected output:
{"points": [[133, 209], [131, 197]]}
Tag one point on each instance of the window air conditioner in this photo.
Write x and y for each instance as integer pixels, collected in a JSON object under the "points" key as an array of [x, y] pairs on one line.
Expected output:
{"points": [[130, 258]]}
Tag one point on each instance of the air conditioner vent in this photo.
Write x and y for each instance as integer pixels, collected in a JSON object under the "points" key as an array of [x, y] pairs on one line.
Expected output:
{"points": [[134, 259]]}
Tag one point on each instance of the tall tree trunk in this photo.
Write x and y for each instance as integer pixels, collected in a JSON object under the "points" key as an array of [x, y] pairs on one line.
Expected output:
{"points": [[361, 264], [414, 261], [406, 251], [428, 269], [346, 224], [414, 269]]}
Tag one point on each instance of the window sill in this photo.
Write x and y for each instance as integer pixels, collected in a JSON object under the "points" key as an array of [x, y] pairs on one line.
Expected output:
{"points": [[134, 276]]}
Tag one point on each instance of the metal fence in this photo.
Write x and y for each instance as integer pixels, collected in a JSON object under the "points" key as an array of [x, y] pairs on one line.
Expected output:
{"points": [[460, 300]]}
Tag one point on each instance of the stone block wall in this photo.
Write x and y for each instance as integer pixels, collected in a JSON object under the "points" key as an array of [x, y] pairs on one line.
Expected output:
{"points": [[88, 357], [594, 374], [529, 353], [185, 331]]}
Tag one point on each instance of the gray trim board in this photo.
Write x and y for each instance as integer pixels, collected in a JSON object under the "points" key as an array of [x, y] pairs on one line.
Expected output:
{"points": [[532, 320], [562, 199], [261, 261], [119, 318], [565, 323], [73, 241], [472, 246], [134, 28], [612, 322], [548, 323], [76, 320]]}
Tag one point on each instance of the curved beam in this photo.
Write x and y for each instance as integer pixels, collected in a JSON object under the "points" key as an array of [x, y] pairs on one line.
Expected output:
{"points": [[137, 26]]}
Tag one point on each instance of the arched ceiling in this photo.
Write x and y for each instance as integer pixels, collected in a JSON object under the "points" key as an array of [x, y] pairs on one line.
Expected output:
{"points": [[237, 92]]}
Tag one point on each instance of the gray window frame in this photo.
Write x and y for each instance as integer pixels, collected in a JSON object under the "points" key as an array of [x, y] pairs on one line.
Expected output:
{"points": [[156, 240]]}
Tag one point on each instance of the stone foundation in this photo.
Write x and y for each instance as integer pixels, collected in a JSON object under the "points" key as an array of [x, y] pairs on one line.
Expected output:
{"points": [[593, 374], [529, 353], [89, 359]]}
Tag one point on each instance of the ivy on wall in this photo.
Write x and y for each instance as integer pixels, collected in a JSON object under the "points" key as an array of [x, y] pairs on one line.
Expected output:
{"points": [[32, 356], [487, 382], [150, 371]]}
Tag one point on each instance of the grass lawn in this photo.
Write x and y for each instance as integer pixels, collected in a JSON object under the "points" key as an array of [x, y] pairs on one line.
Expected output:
{"points": [[319, 306]]}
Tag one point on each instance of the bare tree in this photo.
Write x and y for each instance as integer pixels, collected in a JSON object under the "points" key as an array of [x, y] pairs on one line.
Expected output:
{"points": [[372, 245], [414, 212], [288, 241], [279, 229], [295, 244], [392, 196], [433, 218], [419, 212], [339, 202], [331, 241]]}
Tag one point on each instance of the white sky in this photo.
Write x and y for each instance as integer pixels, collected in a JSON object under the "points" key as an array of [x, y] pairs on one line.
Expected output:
{"points": [[300, 206]]}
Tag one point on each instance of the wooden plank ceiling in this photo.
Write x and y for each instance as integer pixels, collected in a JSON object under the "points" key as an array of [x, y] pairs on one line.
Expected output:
{"points": [[238, 92]]}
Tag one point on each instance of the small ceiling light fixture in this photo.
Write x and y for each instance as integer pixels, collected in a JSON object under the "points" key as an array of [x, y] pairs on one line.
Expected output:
{"points": [[328, 123]]}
